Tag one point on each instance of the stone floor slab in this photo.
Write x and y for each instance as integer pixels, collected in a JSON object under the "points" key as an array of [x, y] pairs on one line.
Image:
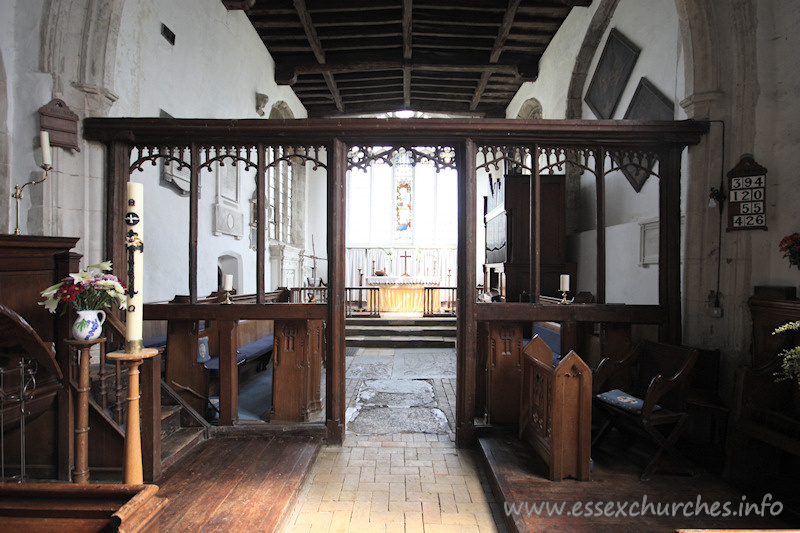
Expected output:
{"points": [[419, 364], [396, 393], [389, 420]]}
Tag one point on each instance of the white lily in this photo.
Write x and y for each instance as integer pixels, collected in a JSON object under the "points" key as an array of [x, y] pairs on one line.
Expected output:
{"points": [[50, 304], [83, 275], [104, 266]]}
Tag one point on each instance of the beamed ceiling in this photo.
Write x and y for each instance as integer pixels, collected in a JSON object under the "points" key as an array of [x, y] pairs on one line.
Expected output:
{"points": [[465, 57]]}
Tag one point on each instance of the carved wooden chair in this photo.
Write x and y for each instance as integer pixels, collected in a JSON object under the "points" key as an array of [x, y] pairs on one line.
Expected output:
{"points": [[645, 393]]}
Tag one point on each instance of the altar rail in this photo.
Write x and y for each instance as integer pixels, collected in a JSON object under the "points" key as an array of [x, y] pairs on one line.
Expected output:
{"points": [[364, 302], [439, 301]]}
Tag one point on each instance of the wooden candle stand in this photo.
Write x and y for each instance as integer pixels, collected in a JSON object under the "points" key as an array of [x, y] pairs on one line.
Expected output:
{"points": [[133, 433]]}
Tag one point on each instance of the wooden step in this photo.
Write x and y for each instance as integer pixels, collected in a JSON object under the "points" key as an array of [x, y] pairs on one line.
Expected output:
{"points": [[179, 444], [170, 420]]}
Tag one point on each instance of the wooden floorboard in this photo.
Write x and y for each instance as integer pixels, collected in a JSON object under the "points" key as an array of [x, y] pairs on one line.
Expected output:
{"points": [[236, 484], [518, 476]]}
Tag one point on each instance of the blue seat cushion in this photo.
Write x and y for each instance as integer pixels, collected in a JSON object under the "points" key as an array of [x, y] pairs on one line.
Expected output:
{"points": [[155, 342], [256, 349], [248, 352], [623, 400]]}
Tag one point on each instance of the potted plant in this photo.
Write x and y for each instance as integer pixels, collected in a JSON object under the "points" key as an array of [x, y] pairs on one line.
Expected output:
{"points": [[88, 292], [790, 246], [790, 357]]}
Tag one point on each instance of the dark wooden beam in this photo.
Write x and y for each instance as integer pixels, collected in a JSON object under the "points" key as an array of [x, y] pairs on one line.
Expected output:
{"points": [[287, 75], [505, 29], [311, 32], [237, 311], [331, 83], [476, 98], [407, 18], [407, 87], [613, 313], [233, 5], [568, 133]]}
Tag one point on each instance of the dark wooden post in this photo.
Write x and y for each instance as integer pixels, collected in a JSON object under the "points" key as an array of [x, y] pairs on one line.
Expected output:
{"points": [[669, 242], [261, 223], [335, 385], [535, 268], [151, 418], [228, 374], [194, 201], [600, 180], [467, 328], [118, 169]]}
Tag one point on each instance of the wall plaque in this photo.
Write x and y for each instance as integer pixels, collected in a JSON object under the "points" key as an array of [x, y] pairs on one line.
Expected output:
{"points": [[747, 191], [61, 123]]}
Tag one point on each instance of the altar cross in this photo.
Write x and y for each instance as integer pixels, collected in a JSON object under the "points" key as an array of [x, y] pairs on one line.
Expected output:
{"points": [[405, 257]]}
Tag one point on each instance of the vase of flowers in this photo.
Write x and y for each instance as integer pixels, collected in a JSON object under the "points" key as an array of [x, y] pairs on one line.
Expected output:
{"points": [[88, 292], [790, 246]]}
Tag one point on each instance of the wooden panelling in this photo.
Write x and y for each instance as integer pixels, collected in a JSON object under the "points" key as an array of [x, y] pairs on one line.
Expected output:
{"points": [[290, 371]]}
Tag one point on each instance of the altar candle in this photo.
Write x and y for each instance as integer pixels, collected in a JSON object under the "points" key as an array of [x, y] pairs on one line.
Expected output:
{"points": [[135, 245], [44, 140], [227, 285], [564, 282]]}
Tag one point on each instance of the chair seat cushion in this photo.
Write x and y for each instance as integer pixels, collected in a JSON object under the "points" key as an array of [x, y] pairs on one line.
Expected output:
{"points": [[623, 400]]}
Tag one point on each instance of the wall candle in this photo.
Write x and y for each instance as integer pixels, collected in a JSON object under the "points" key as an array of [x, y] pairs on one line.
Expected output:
{"points": [[44, 140], [227, 285], [134, 242], [564, 282]]}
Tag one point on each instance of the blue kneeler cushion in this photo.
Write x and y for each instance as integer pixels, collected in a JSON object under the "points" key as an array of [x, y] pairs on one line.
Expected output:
{"points": [[623, 400]]}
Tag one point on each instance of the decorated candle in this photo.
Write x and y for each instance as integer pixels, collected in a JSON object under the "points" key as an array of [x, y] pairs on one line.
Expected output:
{"points": [[134, 244], [44, 140], [227, 285], [564, 278]]}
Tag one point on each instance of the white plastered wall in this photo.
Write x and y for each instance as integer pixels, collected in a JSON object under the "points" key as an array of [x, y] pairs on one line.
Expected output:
{"points": [[214, 70], [652, 26]]}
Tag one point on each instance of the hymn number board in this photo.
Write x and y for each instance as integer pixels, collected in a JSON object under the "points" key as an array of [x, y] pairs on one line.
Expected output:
{"points": [[747, 185]]}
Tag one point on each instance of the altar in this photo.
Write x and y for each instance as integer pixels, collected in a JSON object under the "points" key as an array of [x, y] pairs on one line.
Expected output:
{"points": [[403, 294]]}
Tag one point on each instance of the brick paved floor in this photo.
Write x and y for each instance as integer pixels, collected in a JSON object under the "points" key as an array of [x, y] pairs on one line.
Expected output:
{"points": [[405, 482]]}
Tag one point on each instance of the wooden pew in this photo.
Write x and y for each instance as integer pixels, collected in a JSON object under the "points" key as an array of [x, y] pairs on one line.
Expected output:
{"points": [[555, 413]]}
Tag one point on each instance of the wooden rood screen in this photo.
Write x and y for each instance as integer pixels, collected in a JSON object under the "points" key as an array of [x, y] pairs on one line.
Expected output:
{"points": [[596, 147]]}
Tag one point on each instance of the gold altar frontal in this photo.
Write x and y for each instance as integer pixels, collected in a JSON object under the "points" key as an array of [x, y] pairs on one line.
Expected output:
{"points": [[403, 294]]}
